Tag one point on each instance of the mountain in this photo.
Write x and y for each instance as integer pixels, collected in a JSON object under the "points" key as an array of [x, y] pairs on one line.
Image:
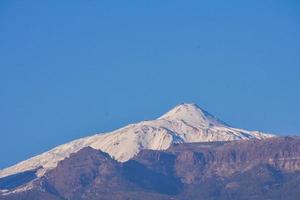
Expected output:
{"points": [[185, 123], [235, 170]]}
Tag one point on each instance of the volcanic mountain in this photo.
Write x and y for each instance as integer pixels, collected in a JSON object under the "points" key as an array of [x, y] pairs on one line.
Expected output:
{"points": [[186, 123]]}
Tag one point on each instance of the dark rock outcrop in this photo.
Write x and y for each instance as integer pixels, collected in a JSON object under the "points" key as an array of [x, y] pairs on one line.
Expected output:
{"points": [[239, 170]]}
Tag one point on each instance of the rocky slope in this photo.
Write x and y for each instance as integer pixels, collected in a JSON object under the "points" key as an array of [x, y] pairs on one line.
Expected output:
{"points": [[184, 123], [236, 170]]}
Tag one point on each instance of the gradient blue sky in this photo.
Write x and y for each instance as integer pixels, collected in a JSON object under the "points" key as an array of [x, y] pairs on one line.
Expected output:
{"points": [[68, 70]]}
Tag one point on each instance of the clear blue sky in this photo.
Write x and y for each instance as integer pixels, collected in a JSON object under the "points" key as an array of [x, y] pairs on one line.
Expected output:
{"points": [[69, 70]]}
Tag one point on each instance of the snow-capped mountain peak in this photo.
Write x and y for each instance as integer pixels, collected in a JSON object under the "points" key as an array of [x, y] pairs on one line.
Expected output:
{"points": [[184, 123], [191, 113]]}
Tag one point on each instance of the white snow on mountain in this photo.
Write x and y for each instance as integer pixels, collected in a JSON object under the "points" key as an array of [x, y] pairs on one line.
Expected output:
{"points": [[184, 123]]}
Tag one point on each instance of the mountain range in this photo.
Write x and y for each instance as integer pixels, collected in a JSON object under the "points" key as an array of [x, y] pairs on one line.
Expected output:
{"points": [[186, 153]]}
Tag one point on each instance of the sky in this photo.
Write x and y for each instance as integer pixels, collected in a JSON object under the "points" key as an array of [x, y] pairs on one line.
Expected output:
{"points": [[69, 70]]}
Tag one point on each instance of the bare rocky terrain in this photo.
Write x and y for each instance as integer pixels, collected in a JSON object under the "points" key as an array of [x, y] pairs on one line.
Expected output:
{"points": [[245, 169]]}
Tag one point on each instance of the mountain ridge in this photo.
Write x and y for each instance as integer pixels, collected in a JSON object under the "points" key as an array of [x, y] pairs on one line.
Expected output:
{"points": [[234, 170], [186, 122]]}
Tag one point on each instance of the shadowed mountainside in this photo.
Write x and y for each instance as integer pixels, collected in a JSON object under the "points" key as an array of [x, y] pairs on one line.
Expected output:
{"points": [[253, 169]]}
